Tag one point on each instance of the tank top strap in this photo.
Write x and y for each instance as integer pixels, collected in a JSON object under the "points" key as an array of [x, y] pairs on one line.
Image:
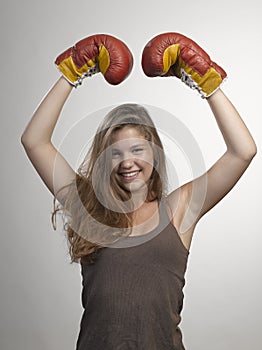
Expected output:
{"points": [[166, 220], [163, 210]]}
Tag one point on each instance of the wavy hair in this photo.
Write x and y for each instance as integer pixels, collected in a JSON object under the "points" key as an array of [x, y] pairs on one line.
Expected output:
{"points": [[96, 210]]}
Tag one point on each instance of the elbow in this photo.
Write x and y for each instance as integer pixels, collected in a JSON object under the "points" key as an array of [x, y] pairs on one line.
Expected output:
{"points": [[246, 153], [253, 152], [31, 142], [250, 153], [24, 141]]}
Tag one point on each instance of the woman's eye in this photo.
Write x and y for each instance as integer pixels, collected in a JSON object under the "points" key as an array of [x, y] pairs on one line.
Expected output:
{"points": [[115, 154], [138, 150]]}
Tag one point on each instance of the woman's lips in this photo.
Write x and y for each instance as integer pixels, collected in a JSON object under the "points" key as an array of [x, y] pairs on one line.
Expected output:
{"points": [[129, 176]]}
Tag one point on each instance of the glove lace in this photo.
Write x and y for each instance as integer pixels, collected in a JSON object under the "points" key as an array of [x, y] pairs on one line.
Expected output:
{"points": [[91, 71], [186, 78]]}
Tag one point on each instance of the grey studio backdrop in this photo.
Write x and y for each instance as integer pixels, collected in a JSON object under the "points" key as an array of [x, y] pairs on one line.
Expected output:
{"points": [[40, 303]]}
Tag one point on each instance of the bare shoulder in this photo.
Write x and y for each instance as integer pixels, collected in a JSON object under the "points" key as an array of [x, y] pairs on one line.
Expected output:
{"points": [[178, 202]]}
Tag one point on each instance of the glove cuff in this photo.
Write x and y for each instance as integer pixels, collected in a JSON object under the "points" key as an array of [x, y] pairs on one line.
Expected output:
{"points": [[75, 75], [205, 85]]}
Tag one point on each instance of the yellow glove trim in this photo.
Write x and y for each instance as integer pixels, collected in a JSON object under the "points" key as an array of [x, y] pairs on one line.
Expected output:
{"points": [[170, 57], [208, 83], [68, 68], [103, 59]]}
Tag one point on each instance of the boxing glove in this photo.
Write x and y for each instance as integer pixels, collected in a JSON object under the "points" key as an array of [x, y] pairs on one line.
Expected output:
{"points": [[173, 54], [97, 53]]}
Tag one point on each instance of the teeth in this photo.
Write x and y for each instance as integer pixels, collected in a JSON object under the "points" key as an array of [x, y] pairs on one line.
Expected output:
{"points": [[130, 174]]}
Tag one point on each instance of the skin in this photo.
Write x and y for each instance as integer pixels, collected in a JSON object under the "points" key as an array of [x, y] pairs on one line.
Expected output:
{"points": [[133, 154], [185, 206], [221, 177]]}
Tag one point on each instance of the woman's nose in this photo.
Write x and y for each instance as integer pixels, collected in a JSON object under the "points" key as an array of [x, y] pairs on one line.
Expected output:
{"points": [[126, 163]]}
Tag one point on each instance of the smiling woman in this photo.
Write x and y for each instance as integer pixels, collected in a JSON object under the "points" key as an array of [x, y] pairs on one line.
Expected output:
{"points": [[122, 175], [133, 159], [133, 297]]}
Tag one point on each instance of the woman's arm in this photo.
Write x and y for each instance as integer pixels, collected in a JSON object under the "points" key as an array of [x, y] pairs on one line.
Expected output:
{"points": [[36, 139], [236, 135], [197, 197], [173, 54], [191, 201], [82, 60], [241, 149], [41, 126]]}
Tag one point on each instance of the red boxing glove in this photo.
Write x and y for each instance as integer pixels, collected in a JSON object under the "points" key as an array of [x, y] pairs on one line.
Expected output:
{"points": [[98, 53], [173, 54]]}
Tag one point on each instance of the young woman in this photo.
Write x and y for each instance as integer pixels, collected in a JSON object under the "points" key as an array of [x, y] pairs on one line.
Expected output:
{"points": [[131, 237]]}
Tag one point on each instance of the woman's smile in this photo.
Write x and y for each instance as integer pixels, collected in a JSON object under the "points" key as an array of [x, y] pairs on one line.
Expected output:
{"points": [[132, 159], [130, 176]]}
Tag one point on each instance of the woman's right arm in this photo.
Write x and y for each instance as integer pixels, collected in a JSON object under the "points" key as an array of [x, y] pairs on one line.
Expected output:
{"points": [[90, 55], [36, 139]]}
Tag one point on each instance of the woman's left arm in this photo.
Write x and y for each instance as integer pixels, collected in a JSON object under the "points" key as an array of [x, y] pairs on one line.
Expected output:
{"points": [[241, 149]]}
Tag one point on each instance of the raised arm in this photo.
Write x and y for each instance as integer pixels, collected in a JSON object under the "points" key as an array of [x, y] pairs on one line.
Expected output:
{"points": [[197, 197], [173, 54], [98, 53], [36, 139], [241, 149], [203, 193]]}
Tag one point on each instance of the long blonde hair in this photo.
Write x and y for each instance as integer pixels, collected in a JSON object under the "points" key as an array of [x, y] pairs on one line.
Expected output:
{"points": [[91, 224]]}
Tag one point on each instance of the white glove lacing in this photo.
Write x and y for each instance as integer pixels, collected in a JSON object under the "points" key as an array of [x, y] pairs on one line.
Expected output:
{"points": [[91, 71], [186, 78]]}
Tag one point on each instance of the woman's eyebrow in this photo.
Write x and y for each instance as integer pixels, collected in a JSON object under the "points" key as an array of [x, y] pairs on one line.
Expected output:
{"points": [[131, 146], [138, 145]]}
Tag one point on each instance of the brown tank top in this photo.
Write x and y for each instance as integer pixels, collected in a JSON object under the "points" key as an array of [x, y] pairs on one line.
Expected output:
{"points": [[132, 295]]}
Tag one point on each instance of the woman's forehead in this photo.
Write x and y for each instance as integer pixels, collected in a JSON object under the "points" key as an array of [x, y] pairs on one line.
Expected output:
{"points": [[128, 133]]}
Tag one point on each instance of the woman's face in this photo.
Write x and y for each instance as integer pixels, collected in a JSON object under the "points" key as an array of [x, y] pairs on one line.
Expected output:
{"points": [[132, 159]]}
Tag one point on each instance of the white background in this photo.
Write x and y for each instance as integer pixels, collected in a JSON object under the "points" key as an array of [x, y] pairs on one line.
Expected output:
{"points": [[40, 301]]}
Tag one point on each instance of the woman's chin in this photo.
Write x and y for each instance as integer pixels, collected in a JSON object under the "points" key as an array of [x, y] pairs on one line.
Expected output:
{"points": [[135, 186]]}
